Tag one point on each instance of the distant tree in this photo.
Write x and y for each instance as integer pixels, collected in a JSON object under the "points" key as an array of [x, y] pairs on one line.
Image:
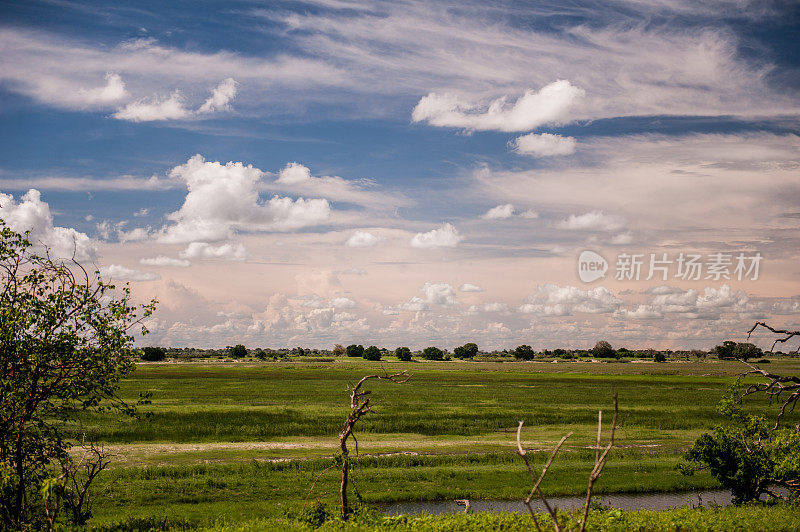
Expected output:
{"points": [[659, 357], [725, 350], [433, 353], [746, 351], [467, 350], [403, 353], [153, 354], [698, 353], [603, 349], [260, 354], [524, 352], [238, 351], [561, 353], [339, 350], [355, 350], [372, 353]]}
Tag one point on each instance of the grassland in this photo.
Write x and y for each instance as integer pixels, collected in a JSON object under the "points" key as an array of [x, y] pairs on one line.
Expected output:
{"points": [[241, 441]]}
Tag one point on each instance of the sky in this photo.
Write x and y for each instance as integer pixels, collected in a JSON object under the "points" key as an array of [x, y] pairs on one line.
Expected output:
{"points": [[306, 173]]}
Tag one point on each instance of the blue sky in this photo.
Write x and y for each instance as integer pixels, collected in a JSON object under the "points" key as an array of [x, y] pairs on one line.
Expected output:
{"points": [[427, 146]]}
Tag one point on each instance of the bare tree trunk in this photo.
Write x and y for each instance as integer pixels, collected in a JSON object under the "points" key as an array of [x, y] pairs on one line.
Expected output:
{"points": [[343, 487]]}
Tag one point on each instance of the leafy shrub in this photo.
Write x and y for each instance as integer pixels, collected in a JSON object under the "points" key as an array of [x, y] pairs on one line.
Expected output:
{"points": [[238, 351], [603, 349], [659, 357], [372, 353], [355, 350], [153, 354], [403, 353], [524, 352], [467, 350], [433, 353]]}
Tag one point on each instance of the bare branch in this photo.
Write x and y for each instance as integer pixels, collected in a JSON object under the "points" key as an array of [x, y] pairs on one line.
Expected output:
{"points": [[600, 460], [536, 489]]}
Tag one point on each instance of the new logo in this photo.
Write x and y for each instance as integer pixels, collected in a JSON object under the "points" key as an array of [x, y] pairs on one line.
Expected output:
{"points": [[591, 266]]}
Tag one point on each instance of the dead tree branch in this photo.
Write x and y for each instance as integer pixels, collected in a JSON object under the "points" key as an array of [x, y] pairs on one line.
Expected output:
{"points": [[599, 459], [359, 406], [788, 335], [537, 481], [778, 387]]}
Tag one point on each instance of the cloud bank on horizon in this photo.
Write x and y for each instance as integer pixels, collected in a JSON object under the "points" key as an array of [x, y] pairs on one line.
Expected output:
{"points": [[412, 172]]}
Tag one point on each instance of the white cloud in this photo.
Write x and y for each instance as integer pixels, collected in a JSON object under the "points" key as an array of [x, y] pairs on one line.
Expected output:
{"points": [[445, 236], [32, 214], [544, 145], [297, 178], [112, 91], [342, 302], [440, 294], [592, 221], [122, 273], [641, 312], [530, 213], [362, 239], [162, 260], [142, 212], [223, 199], [622, 239], [500, 212], [554, 300], [354, 271], [469, 287], [155, 109], [294, 173], [204, 250], [550, 105], [220, 98]]}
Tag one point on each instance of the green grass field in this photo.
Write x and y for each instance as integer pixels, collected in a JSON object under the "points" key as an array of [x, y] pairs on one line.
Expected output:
{"points": [[234, 442]]}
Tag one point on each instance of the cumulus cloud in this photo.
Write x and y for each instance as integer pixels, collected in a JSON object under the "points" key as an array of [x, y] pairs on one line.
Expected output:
{"points": [[550, 105], [122, 273], [342, 302], [469, 287], [544, 145], [155, 109], [204, 250], [162, 260], [554, 300], [362, 239], [500, 212], [711, 303], [297, 178], [220, 98], [32, 214], [592, 221], [445, 236], [441, 294], [112, 91], [223, 199], [173, 107]]}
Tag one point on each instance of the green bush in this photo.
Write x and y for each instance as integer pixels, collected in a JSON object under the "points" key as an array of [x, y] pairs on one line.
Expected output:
{"points": [[524, 352], [238, 351], [467, 350], [355, 350], [433, 353], [153, 354], [403, 353], [372, 353]]}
